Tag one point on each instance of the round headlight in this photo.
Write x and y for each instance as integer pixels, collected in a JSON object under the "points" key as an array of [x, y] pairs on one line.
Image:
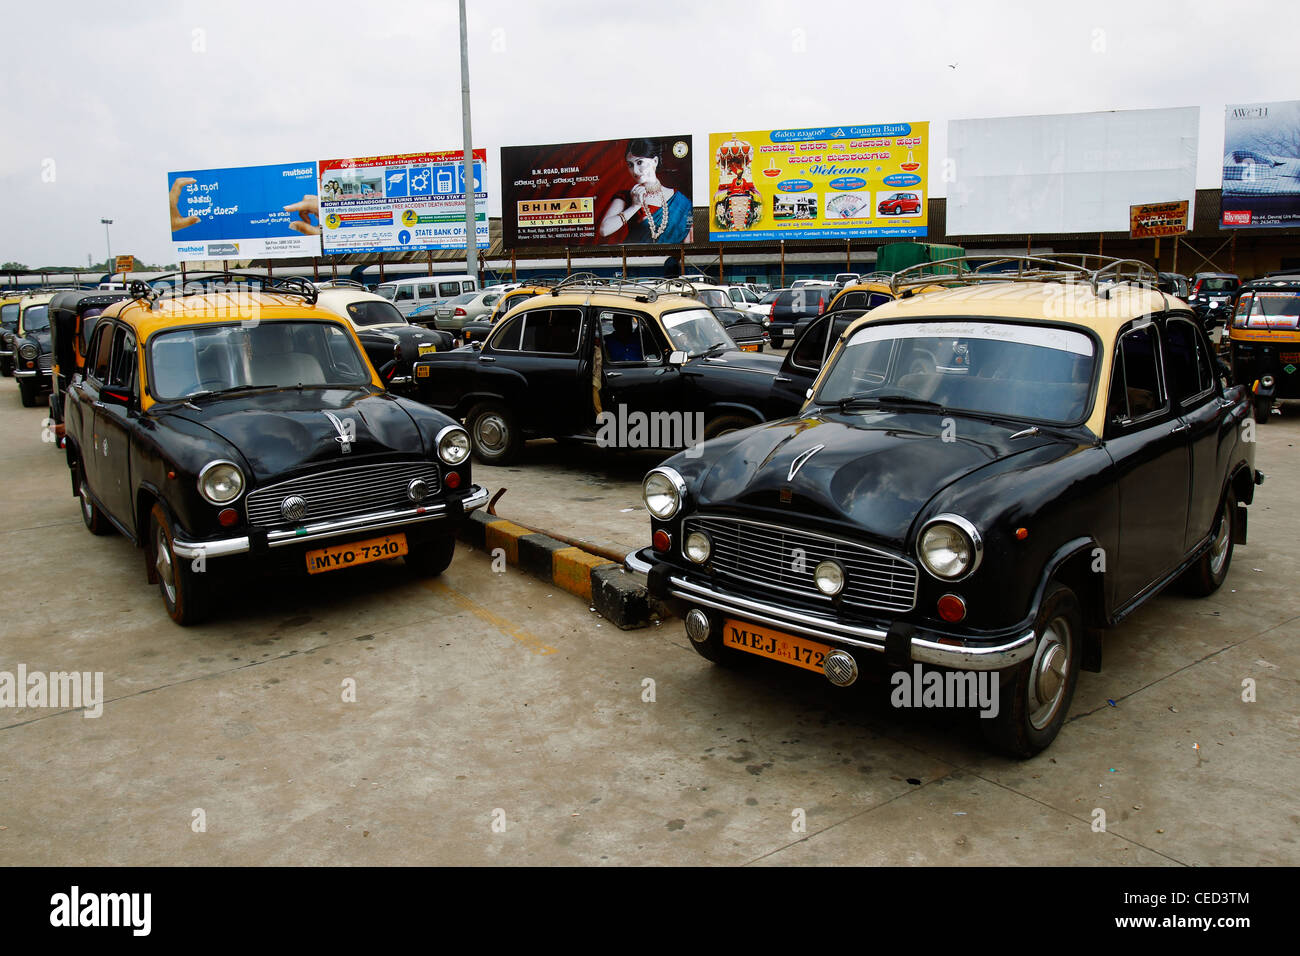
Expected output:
{"points": [[27, 351], [698, 547], [662, 491], [829, 576], [453, 445], [949, 547], [221, 482]]}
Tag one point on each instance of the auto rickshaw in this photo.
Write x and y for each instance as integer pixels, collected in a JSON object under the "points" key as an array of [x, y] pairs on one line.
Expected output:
{"points": [[1264, 340], [72, 319]]}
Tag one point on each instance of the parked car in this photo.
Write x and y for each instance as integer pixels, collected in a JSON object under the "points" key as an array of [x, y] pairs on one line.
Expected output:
{"points": [[746, 330], [28, 347], [412, 293], [219, 445], [1175, 284], [550, 367], [982, 481], [9, 308], [477, 329], [791, 305], [1213, 296], [392, 343], [899, 204], [451, 315], [73, 316], [1264, 341]]}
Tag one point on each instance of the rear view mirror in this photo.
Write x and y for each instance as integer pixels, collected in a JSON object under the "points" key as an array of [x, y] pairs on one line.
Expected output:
{"points": [[677, 358]]}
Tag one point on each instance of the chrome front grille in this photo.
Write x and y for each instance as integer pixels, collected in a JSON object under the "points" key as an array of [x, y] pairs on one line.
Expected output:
{"points": [[774, 557], [45, 362], [343, 492]]}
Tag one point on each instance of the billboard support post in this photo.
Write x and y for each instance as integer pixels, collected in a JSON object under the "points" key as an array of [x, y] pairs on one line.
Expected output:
{"points": [[1232, 254], [334, 267], [430, 262], [782, 263], [514, 273], [721, 274], [315, 269], [1156, 253], [681, 260], [1174, 267], [1029, 245], [848, 255], [568, 262], [624, 262], [471, 194], [381, 267]]}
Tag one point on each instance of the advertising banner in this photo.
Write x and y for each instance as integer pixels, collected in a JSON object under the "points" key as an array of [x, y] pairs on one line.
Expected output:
{"points": [[244, 212], [400, 203], [620, 191], [1153, 220], [1067, 173], [1261, 166], [828, 182]]}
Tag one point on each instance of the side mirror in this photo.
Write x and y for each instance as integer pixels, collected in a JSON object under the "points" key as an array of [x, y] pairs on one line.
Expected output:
{"points": [[677, 358]]}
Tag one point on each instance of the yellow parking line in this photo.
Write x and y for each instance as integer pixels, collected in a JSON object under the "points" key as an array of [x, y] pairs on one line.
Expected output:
{"points": [[531, 641]]}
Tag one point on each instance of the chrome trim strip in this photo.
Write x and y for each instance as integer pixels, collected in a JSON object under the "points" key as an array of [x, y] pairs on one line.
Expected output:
{"points": [[993, 658], [326, 529], [27, 373]]}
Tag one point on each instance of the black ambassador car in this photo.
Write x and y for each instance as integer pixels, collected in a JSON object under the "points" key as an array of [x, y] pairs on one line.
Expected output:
{"points": [[28, 347], [245, 431], [563, 359], [984, 478], [73, 316]]}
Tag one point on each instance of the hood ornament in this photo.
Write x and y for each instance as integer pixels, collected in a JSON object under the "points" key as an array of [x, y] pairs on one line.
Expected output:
{"points": [[799, 462], [347, 431]]}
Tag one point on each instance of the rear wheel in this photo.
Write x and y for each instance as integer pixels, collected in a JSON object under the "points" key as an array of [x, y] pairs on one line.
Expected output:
{"points": [[1035, 696], [726, 423], [93, 518], [431, 558], [496, 435], [1207, 574], [1263, 408], [184, 595]]}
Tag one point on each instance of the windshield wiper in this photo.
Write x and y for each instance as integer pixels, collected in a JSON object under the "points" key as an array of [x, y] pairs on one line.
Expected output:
{"points": [[912, 400], [205, 393]]}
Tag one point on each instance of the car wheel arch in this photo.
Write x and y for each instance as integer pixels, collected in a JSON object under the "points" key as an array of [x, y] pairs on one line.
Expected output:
{"points": [[1072, 565]]}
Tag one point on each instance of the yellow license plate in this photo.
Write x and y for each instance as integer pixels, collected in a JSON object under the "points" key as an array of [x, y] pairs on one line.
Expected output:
{"points": [[422, 371], [766, 642], [426, 349], [749, 348], [358, 552]]}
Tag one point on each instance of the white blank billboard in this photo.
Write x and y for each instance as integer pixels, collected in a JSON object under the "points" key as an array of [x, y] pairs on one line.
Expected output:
{"points": [[1074, 172]]}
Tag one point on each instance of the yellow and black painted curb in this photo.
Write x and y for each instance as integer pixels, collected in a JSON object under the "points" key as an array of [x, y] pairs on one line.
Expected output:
{"points": [[620, 597]]}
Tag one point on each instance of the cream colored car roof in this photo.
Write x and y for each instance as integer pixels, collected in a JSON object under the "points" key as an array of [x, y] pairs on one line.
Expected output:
{"points": [[338, 300]]}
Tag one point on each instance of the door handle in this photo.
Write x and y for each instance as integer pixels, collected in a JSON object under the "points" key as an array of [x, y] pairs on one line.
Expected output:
{"points": [[1184, 427], [613, 374], [782, 378], [486, 358]]}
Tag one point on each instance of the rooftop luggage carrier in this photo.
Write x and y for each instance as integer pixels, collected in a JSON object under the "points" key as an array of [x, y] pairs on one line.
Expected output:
{"points": [[1100, 272], [199, 282]]}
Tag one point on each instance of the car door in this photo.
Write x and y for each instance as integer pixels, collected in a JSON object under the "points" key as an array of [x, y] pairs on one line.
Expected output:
{"points": [[803, 363], [549, 356], [115, 415], [1147, 441], [635, 374], [95, 447], [1195, 387]]}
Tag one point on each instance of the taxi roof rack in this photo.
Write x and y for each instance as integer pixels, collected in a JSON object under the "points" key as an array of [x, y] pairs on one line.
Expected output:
{"points": [[590, 282], [199, 281], [1097, 271]]}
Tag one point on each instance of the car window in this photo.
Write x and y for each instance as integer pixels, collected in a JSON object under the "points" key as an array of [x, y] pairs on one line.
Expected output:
{"points": [[36, 318], [626, 337], [386, 291], [808, 353], [878, 298], [491, 299], [851, 300], [769, 298], [1140, 391], [446, 290], [88, 322], [122, 362], [551, 331], [370, 312], [404, 294], [469, 286], [98, 363], [1185, 361], [463, 299], [9, 314]]}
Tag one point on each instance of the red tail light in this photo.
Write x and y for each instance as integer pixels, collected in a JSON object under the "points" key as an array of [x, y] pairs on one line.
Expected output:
{"points": [[821, 303], [460, 311], [771, 310]]}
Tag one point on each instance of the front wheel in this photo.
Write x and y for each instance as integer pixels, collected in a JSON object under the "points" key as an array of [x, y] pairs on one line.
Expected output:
{"points": [[1208, 573], [495, 432], [184, 595], [431, 558], [1035, 696], [1263, 408]]}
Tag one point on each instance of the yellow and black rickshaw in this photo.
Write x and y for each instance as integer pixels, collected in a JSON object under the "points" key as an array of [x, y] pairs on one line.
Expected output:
{"points": [[1264, 340]]}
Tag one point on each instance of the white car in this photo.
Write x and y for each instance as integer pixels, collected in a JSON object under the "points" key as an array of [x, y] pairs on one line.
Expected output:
{"points": [[391, 342]]}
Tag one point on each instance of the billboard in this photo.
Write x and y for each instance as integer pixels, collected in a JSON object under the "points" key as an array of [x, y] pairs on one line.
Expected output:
{"points": [[244, 212], [633, 191], [1153, 220], [1261, 166], [400, 203], [827, 182], [1069, 173]]}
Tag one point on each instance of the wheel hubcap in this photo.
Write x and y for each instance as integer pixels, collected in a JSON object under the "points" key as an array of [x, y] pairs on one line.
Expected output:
{"points": [[491, 432], [163, 562], [1219, 550], [87, 509], [1050, 674]]}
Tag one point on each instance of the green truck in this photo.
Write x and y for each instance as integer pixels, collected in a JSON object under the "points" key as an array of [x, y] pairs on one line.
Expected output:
{"points": [[900, 255]]}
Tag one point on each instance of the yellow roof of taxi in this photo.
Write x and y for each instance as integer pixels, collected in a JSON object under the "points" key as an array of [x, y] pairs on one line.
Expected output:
{"points": [[1104, 311], [650, 302], [214, 308]]}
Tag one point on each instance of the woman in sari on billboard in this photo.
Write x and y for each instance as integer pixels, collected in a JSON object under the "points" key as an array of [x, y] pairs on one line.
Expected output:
{"points": [[651, 211]]}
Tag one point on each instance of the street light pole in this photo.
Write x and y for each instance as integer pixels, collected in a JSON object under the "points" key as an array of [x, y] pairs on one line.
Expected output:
{"points": [[471, 204], [108, 242]]}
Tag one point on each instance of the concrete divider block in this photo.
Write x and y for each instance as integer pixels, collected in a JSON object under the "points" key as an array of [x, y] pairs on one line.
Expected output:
{"points": [[572, 567], [537, 555], [622, 598], [504, 534]]}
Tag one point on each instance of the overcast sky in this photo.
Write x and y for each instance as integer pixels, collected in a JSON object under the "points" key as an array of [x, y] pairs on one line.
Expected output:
{"points": [[101, 100]]}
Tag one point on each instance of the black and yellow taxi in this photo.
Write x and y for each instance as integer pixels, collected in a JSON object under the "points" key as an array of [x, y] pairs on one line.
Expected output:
{"points": [[246, 430], [1264, 340]]}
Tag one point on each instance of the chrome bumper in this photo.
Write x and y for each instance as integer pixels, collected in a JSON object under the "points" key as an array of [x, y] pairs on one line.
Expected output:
{"points": [[375, 521], [982, 657], [30, 373]]}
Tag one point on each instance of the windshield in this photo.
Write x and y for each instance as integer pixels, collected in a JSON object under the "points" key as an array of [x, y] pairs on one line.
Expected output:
{"points": [[769, 298], [375, 313], [695, 331], [9, 313], [1020, 371], [273, 354], [36, 318], [714, 298], [464, 299], [1218, 285], [386, 291], [1269, 310]]}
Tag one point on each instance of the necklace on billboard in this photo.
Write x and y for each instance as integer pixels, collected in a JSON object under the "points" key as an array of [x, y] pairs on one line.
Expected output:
{"points": [[655, 233]]}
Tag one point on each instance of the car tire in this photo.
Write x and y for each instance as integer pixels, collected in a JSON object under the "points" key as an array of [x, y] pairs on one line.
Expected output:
{"points": [[27, 392], [1263, 409], [184, 596], [495, 434], [94, 519], [431, 558], [1034, 697], [1205, 576], [726, 423], [778, 341]]}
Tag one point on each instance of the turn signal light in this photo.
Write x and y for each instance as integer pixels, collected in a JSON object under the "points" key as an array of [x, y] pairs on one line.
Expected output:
{"points": [[661, 541], [453, 479], [228, 517], [952, 608]]}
